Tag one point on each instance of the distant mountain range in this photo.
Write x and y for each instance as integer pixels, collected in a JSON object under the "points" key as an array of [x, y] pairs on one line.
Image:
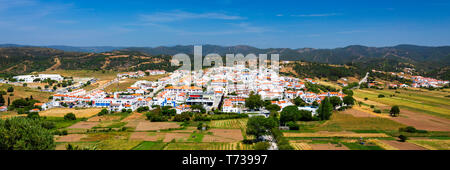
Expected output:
{"points": [[93, 49], [343, 55], [424, 59]]}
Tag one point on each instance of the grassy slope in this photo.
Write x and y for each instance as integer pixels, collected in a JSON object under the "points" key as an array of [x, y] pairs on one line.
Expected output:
{"points": [[436, 105], [23, 92]]}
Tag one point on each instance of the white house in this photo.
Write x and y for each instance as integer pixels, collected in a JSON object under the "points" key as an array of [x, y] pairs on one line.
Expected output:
{"points": [[31, 78]]}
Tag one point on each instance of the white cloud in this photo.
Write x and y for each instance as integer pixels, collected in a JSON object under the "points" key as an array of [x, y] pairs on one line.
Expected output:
{"points": [[66, 21], [316, 15], [350, 32], [7, 4], [246, 27], [182, 15]]}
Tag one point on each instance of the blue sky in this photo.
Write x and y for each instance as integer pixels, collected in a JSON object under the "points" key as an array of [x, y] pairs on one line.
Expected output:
{"points": [[263, 23]]}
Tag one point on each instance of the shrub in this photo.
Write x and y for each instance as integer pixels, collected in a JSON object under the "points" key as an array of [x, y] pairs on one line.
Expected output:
{"points": [[248, 141], [168, 112], [48, 125], [200, 117], [155, 116], [395, 111], [411, 129], [262, 146], [283, 144], [143, 109], [293, 126], [201, 125], [381, 96], [403, 138], [33, 115], [61, 132], [103, 112], [70, 116], [182, 117], [377, 111], [408, 129], [24, 134]]}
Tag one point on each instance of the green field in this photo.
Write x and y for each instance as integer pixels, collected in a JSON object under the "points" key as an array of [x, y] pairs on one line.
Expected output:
{"points": [[424, 102], [229, 124], [101, 75], [150, 146], [433, 144], [208, 146], [24, 92], [60, 123], [357, 146], [345, 122]]}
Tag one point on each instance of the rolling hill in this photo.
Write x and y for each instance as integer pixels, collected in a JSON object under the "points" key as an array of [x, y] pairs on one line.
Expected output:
{"points": [[23, 60], [15, 59]]}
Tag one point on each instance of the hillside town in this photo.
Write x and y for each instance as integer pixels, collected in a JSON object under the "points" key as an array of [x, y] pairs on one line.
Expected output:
{"points": [[417, 81], [222, 88]]}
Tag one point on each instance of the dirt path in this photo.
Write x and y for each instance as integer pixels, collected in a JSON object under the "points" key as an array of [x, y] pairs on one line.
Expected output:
{"points": [[56, 65]]}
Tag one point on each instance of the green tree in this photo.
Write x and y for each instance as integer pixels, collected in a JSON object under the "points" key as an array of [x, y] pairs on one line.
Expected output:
{"points": [[347, 92], [182, 117], [273, 108], [325, 109], [395, 111], [253, 101], [349, 100], [315, 104], [103, 112], [70, 116], [403, 138], [298, 101], [293, 126], [10, 89], [33, 115], [142, 109], [335, 101], [2, 100], [306, 115], [259, 126], [198, 108], [290, 114], [24, 134]]}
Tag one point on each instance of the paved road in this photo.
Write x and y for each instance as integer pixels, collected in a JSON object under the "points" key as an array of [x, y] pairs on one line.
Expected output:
{"points": [[102, 87], [364, 80], [152, 94]]}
